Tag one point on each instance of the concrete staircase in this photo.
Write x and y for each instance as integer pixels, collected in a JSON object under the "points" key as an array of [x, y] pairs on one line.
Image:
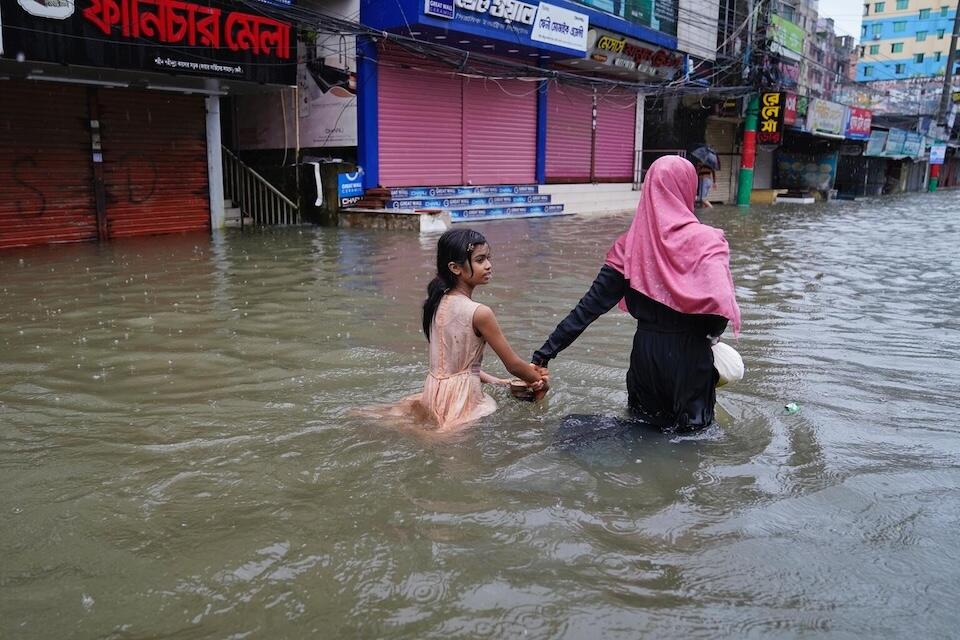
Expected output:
{"points": [[234, 215], [593, 198], [465, 203]]}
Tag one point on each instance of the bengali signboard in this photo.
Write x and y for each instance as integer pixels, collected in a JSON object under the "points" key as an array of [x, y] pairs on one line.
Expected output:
{"points": [[204, 38], [610, 49], [913, 145], [826, 118], [896, 138], [787, 38], [858, 124], [938, 153], [789, 109], [560, 27], [770, 130]]}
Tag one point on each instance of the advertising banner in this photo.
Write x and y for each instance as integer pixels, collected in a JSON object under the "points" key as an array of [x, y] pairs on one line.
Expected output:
{"points": [[204, 38], [896, 138], [787, 38], [770, 130], [876, 144], [913, 145], [560, 27], [826, 118], [938, 152], [789, 109], [858, 125], [349, 188], [440, 8]]}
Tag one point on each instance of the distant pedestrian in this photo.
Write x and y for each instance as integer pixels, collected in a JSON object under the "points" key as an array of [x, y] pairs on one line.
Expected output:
{"points": [[672, 274], [706, 177], [458, 329]]}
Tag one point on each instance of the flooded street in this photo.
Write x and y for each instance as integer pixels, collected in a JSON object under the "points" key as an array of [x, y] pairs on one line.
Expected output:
{"points": [[179, 458]]}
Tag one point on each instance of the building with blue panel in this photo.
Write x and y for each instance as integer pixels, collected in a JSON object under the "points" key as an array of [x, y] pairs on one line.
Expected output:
{"points": [[904, 39]]}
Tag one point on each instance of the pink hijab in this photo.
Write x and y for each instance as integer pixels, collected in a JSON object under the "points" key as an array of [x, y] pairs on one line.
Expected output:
{"points": [[668, 255]]}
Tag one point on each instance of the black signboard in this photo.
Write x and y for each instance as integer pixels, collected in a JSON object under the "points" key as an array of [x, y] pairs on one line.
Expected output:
{"points": [[204, 38]]}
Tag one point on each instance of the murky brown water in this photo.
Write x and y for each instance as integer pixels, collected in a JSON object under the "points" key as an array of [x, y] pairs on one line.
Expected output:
{"points": [[178, 457]]}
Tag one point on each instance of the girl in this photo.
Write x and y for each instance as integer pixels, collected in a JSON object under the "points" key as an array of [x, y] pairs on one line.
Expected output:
{"points": [[458, 329]]}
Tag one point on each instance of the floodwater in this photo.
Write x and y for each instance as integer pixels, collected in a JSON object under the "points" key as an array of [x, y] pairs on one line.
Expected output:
{"points": [[179, 459]]}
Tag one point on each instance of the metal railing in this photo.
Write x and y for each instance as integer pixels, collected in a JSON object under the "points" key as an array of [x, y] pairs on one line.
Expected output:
{"points": [[645, 157], [255, 196]]}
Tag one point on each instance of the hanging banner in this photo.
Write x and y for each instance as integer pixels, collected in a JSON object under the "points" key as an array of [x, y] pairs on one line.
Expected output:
{"points": [[790, 109], [826, 118], [770, 130], [896, 138], [938, 152], [913, 145], [858, 125], [560, 27], [787, 38], [204, 38], [876, 144]]}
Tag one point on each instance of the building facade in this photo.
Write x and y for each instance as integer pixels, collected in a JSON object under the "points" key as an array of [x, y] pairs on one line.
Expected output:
{"points": [[904, 39]]}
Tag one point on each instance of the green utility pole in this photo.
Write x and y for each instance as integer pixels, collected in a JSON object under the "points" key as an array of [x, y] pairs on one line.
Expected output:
{"points": [[748, 152]]}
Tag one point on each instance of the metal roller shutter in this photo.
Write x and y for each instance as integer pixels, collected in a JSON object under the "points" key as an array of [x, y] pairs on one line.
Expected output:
{"points": [[46, 185], [155, 162], [616, 127], [420, 111], [499, 131], [721, 135], [569, 133]]}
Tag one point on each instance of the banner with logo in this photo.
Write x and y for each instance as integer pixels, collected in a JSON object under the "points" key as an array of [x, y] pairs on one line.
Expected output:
{"points": [[787, 38], [209, 38], [789, 109], [858, 124]]}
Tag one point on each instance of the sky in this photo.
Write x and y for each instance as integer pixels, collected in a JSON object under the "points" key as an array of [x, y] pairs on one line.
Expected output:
{"points": [[846, 14]]}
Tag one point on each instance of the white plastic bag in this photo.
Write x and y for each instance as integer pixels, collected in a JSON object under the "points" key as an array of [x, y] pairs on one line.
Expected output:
{"points": [[728, 363]]}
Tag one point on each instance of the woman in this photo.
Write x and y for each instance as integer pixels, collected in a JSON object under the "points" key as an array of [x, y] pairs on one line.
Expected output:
{"points": [[672, 274]]}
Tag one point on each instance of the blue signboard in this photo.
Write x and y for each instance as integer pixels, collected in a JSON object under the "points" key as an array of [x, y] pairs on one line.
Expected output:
{"points": [[349, 188], [440, 8]]}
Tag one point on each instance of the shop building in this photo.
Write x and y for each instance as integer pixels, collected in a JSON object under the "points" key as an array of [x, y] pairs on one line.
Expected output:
{"points": [[435, 125], [109, 112]]}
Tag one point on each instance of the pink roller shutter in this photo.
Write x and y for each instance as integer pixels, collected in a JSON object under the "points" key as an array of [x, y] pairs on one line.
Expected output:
{"points": [[419, 110], [616, 123], [569, 134], [499, 131]]}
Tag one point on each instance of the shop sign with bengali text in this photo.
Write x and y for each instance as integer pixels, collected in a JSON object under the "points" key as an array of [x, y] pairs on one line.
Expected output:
{"points": [[789, 109], [787, 38], [203, 38], [560, 27], [938, 152], [826, 118], [913, 145], [858, 125], [770, 130], [614, 50]]}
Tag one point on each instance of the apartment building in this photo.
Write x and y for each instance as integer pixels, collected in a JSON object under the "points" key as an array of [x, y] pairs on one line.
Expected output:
{"points": [[904, 39]]}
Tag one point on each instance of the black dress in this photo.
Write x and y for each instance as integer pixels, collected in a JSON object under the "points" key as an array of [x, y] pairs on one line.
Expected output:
{"points": [[671, 382]]}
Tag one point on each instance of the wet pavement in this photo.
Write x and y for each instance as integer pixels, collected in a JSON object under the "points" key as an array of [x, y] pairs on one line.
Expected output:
{"points": [[179, 458]]}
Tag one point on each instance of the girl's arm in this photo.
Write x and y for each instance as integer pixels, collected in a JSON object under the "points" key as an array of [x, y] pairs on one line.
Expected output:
{"points": [[486, 378], [487, 326]]}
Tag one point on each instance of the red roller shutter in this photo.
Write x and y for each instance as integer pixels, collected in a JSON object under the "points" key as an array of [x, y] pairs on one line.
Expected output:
{"points": [[499, 131], [569, 133], [155, 162], [616, 124], [420, 122], [46, 185]]}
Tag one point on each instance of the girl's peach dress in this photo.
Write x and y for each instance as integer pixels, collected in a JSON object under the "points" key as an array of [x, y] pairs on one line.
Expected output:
{"points": [[452, 395]]}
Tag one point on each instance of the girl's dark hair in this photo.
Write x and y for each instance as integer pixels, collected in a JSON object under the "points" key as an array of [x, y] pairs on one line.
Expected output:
{"points": [[455, 245]]}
